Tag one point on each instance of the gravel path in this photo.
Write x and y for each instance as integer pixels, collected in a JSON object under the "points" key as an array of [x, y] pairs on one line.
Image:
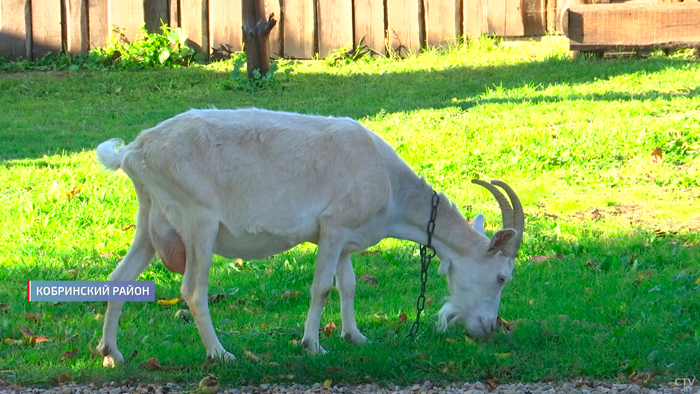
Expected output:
{"points": [[577, 387]]}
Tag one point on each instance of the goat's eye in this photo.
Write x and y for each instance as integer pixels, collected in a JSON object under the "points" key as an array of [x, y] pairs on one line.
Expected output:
{"points": [[501, 279]]}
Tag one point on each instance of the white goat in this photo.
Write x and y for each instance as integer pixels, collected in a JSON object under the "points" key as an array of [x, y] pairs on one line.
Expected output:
{"points": [[250, 183]]}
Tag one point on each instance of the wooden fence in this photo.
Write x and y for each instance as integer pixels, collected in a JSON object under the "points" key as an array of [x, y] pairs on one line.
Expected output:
{"points": [[30, 28]]}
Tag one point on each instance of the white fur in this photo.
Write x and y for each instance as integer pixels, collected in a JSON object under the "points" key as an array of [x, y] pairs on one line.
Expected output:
{"points": [[250, 183]]}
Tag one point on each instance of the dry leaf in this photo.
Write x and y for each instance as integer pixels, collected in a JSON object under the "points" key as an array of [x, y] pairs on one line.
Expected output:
{"points": [[168, 302], [209, 385], [657, 155], [290, 294], [69, 354], [26, 331], [328, 329], [98, 316], [106, 255], [252, 356], [129, 227], [327, 384], [429, 301], [11, 341], [183, 314], [369, 252], [403, 318], [239, 263], [74, 191], [153, 364], [591, 263], [450, 340], [38, 339], [216, 297], [491, 384], [540, 259], [334, 369], [70, 272], [33, 316], [447, 367], [4, 308], [62, 378], [369, 279]]}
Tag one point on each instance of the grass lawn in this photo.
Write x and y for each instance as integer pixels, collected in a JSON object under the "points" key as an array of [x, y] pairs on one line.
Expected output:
{"points": [[612, 291]]}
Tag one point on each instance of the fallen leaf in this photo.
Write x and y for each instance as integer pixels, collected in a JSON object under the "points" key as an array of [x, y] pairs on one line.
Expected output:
{"points": [[13, 342], [327, 384], [33, 316], [106, 255], [491, 384], [334, 369], [98, 316], [559, 256], [69, 354], [403, 318], [369, 279], [26, 331], [168, 302], [4, 308], [153, 364], [183, 314], [252, 356], [268, 271], [71, 272], [74, 191], [591, 263], [209, 385], [447, 367], [216, 297], [450, 340], [38, 339], [540, 259], [290, 294], [657, 155], [429, 301], [129, 227], [369, 252], [239, 263], [328, 329], [62, 378]]}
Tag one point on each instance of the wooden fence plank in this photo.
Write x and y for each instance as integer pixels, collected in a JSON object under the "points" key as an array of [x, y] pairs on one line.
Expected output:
{"points": [[475, 18], [534, 17], [76, 26], [443, 21], [275, 38], [46, 27], [634, 26], [514, 19], [174, 11], [299, 24], [369, 24], [156, 11], [404, 25], [13, 29], [334, 25], [194, 22], [98, 23], [225, 28], [128, 16], [496, 17]]}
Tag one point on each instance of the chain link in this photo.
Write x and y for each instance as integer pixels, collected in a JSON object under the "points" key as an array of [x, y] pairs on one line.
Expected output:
{"points": [[427, 252]]}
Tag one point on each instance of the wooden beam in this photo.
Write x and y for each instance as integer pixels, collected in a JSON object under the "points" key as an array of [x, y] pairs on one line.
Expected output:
{"points": [[443, 21], [77, 26], [641, 26], [404, 25], [46, 27], [369, 24], [334, 25], [225, 23], [13, 28], [299, 24]]}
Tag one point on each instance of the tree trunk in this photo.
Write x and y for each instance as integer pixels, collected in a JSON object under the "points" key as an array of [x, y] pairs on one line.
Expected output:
{"points": [[256, 34]]}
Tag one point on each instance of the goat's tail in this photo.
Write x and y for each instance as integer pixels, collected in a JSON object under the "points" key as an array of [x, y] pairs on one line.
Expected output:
{"points": [[108, 155]]}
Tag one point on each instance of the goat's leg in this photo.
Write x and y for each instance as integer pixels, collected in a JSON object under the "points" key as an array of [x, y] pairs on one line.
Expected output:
{"points": [[136, 260], [329, 249], [195, 284], [346, 282]]}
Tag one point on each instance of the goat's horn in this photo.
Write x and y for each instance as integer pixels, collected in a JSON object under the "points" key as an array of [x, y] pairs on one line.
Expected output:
{"points": [[518, 217], [506, 210]]}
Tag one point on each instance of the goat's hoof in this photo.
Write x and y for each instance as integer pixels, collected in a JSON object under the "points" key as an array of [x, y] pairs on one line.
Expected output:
{"points": [[313, 348], [354, 337], [222, 356]]}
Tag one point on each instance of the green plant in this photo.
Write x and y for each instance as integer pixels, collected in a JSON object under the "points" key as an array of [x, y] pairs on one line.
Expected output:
{"points": [[167, 49], [260, 82], [347, 55]]}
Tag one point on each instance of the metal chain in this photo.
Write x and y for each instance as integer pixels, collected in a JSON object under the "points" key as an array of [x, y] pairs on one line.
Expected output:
{"points": [[427, 252]]}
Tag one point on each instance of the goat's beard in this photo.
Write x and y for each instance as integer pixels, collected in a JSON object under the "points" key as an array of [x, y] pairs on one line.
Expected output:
{"points": [[447, 316]]}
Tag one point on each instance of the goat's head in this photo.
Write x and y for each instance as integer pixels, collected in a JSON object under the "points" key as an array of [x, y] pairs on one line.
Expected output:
{"points": [[477, 279]]}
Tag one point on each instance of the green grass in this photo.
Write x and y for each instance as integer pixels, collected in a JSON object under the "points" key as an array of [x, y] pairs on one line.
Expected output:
{"points": [[574, 138]]}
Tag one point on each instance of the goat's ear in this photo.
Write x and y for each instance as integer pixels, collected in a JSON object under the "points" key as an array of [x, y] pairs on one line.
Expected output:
{"points": [[500, 240], [478, 224], [444, 267]]}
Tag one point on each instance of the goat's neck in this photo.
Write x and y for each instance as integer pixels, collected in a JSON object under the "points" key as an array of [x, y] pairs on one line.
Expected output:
{"points": [[452, 235]]}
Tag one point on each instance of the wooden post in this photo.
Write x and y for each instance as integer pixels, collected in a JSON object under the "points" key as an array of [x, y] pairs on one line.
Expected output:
{"points": [[256, 35]]}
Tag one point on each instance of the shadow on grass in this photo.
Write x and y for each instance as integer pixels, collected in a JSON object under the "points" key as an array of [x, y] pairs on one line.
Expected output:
{"points": [[45, 115]]}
